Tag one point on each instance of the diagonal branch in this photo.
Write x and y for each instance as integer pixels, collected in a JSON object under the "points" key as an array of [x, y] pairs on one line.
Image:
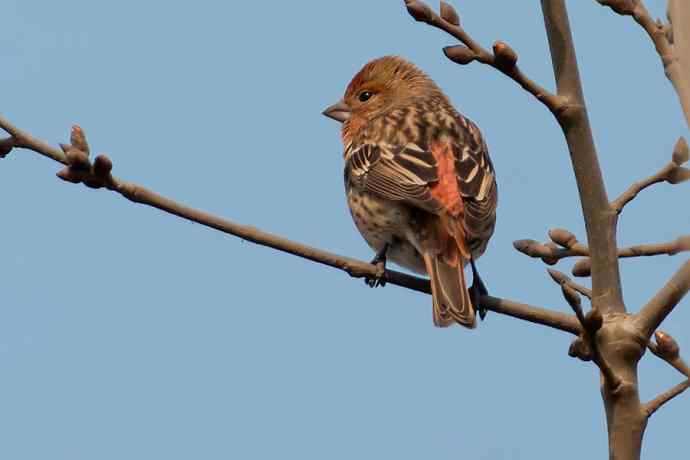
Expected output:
{"points": [[561, 279], [590, 326], [655, 404], [503, 58], [661, 35], [673, 173], [659, 307], [667, 349], [79, 169]]}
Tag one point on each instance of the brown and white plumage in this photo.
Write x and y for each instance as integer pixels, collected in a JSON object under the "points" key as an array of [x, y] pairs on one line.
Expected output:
{"points": [[418, 179]]}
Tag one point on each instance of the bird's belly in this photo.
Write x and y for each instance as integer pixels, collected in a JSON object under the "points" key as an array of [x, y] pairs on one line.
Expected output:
{"points": [[384, 222]]}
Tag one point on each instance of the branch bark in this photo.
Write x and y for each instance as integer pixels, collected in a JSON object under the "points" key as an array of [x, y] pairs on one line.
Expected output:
{"points": [[673, 173], [655, 404], [599, 218], [355, 268], [659, 307], [672, 42], [503, 58]]}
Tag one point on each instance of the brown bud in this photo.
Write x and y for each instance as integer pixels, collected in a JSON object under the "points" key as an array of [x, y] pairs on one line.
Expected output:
{"points": [[562, 237], [102, 166], [669, 34], [547, 250], [526, 247], [449, 14], [460, 54], [667, 347], [504, 56], [77, 159], [93, 182], [680, 152], [420, 11], [571, 296], [579, 349], [677, 175], [6, 146], [583, 268], [70, 175], [78, 139], [558, 277], [593, 320]]}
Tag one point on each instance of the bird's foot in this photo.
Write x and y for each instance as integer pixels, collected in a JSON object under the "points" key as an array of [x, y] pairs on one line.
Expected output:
{"points": [[380, 261], [477, 290]]}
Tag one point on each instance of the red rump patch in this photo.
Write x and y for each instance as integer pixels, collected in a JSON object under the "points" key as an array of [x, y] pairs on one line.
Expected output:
{"points": [[452, 235], [446, 190]]}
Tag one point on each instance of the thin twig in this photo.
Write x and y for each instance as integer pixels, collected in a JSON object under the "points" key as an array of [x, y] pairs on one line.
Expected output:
{"points": [[561, 278], [355, 268], [502, 59], [677, 362], [656, 403], [659, 35], [550, 254], [589, 335], [659, 307], [672, 173]]}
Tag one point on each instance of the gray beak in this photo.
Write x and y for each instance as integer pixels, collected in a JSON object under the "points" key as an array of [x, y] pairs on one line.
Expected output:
{"points": [[339, 112]]}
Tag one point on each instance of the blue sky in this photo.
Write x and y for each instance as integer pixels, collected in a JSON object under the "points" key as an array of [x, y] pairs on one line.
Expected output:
{"points": [[129, 333]]}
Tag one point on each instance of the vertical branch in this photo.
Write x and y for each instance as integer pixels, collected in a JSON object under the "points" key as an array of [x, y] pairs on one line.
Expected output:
{"points": [[600, 221]]}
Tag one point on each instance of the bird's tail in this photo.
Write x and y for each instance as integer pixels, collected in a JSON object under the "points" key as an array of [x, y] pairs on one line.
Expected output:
{"points": [[452, 302]]}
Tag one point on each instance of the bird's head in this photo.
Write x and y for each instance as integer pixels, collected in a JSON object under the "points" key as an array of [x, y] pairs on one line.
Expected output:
{"points": [[382, 84]]}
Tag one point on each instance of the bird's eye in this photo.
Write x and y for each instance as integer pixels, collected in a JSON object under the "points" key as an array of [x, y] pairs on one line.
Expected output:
{"points": [[364, 96]]}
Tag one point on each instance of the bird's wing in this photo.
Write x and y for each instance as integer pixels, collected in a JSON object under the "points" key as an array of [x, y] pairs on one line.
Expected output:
{"points": [[452, 176], [477, 185], [397, 173]]}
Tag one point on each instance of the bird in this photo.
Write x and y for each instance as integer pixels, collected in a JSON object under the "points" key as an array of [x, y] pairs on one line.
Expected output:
{"points": [[420, 185]]}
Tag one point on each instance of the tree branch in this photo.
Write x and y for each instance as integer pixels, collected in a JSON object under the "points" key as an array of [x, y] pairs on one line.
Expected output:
{"points": [[503, 58], [590, 326], [667, 349], [660, 35], [80, 170], [561, 279], [658, 308], [673, 173], [655, 404], [599, 219], [550, 253]]}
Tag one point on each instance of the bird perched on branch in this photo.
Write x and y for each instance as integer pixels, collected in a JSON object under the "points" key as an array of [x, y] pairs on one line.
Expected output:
{"points": [[420, 185]]}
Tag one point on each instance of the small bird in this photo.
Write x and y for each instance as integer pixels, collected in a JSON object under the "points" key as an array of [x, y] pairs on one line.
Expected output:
{"points": [[420, 185]]}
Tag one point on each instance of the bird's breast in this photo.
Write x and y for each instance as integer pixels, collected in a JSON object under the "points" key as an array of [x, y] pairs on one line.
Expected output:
{"points": [[384, 222]]}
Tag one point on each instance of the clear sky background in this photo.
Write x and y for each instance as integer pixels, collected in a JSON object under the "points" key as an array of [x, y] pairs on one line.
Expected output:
{"points": [[129, 333]]}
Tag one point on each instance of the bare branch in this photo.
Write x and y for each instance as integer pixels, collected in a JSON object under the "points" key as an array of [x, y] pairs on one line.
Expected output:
{"points": [[590, 326], [658, 308], [561, 279], [667, 349], [98, 175], [599, 219], [673, 173], [655, 404], [662, 36], [550, 253], [503, 58]]}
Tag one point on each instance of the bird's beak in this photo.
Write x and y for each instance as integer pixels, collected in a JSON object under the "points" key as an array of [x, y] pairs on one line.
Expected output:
{"points": [[340, 112]]}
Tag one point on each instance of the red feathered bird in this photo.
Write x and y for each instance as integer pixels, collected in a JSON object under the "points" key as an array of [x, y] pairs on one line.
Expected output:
{"points": [[420, 185]]}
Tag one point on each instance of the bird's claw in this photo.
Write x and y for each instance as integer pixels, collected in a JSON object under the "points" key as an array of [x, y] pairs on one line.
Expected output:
{"points": [[375, 281], [477, 290], [380, 261]]}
